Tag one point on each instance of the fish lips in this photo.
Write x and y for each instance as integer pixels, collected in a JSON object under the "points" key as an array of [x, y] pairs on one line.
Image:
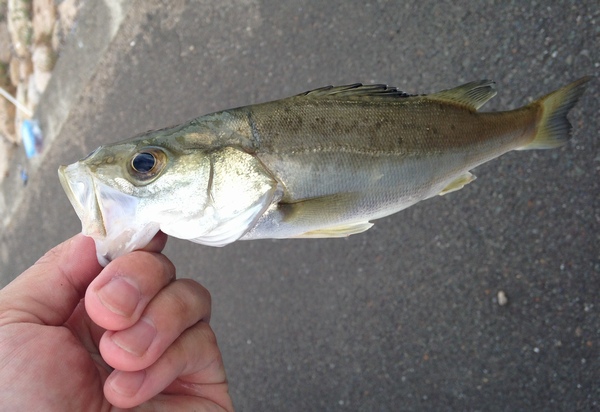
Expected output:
{"points": [[107, 215], [79, 186]]}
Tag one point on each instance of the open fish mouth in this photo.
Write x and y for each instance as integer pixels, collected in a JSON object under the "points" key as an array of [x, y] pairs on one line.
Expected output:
{"points": [[80, 189], [107, 215]]}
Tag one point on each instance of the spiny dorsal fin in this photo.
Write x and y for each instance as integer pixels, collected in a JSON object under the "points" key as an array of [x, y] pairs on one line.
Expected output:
{"points": [[473, 94], [356, 90]]}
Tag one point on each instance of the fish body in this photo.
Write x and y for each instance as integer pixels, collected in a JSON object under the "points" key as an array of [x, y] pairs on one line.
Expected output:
{"points": [[325, 163]]}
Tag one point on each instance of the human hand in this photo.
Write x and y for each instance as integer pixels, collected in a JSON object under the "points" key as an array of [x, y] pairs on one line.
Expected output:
{"points": [[139, 337]]}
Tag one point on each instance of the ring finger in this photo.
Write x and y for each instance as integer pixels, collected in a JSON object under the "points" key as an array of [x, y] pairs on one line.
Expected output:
{"points": [[192, 367]]}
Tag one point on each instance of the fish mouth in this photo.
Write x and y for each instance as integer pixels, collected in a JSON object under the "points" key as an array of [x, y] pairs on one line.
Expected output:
{"points": [[79, 186], [107, 215]]}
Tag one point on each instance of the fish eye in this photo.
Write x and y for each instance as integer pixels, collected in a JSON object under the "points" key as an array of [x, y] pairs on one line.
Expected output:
{"points": [[143, 162], [147, 163]]}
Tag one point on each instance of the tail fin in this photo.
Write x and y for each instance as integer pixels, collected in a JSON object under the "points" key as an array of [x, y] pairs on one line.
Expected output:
{"points": [[554, 129]]}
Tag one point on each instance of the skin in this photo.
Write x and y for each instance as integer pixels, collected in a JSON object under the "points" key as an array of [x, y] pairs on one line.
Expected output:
{"points": [[75, 336]]}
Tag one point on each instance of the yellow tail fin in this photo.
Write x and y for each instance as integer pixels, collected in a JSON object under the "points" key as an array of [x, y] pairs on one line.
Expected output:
{"points": [[554, 129]]}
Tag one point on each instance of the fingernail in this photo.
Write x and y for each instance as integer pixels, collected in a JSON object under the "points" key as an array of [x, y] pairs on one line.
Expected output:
{"points": [[127, 383], [120, 296], [137, 339]]}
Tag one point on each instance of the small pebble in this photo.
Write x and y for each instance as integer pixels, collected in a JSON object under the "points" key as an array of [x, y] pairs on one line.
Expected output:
{"points": [[502, 299]]}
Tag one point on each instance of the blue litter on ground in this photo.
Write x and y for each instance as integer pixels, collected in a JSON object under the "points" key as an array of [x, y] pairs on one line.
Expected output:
{"points": [[31, 134], [24, 176]]}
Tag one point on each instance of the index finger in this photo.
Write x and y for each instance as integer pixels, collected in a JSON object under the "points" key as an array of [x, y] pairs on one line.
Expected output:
{"points": [[48, 291], [157, 244]]}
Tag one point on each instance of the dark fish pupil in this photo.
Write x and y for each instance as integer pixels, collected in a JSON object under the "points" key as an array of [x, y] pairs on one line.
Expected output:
{"points": [[143, 162]]}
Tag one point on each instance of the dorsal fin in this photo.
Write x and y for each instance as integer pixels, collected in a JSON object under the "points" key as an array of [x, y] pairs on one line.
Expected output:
{"points": [[473, 94], [356, 90]]}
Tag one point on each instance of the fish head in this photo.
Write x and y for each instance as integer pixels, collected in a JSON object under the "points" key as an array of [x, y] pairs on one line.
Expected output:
{"points": [[124, 192], [198, 181]]}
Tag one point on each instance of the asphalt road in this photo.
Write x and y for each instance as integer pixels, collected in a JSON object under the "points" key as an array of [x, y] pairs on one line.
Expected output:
{"points": [[406, 315]]}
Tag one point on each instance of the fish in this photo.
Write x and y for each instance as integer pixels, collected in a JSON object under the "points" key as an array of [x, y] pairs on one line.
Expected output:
{"points": [[322, 164]]}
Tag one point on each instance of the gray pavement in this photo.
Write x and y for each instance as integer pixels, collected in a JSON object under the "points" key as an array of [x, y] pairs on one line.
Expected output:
{"points": [[404, 316]]}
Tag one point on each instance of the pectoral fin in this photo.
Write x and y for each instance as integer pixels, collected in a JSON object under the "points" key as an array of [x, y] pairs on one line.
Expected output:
{"points": [[338, 231], [458, 183], [335, 215]]}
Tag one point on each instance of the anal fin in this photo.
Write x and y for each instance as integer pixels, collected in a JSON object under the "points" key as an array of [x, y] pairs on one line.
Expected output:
{"points": [[458, 183], [338, 231]]}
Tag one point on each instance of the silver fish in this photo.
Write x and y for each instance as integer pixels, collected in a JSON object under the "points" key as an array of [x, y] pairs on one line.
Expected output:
{"points": [[325, 163]]}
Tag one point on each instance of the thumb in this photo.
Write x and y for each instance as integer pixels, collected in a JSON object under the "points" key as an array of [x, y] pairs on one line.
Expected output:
{"points": [[48, 292]]}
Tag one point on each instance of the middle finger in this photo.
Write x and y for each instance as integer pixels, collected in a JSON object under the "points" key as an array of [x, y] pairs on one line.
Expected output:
{"points": [[178, 306]]}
